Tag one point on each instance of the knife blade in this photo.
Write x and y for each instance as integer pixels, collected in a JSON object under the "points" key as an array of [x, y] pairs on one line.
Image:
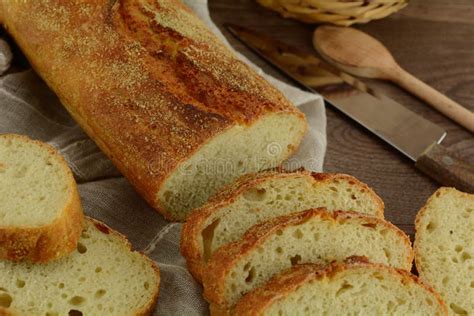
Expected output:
{"points": [[409, 133]]}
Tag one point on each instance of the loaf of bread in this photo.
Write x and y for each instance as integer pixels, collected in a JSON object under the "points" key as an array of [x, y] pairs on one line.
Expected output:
{"points": [[353, 288], [170, 105], [313, 236], [444, 248], [102, 277], [40, 211], [255, 198]]}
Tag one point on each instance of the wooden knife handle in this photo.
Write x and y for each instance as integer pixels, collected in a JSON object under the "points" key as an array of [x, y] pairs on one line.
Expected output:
{"points": [[443, 166]]}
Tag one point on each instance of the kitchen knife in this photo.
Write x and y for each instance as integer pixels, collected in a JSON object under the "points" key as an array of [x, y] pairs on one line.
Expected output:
{"points": [[412, 135]]}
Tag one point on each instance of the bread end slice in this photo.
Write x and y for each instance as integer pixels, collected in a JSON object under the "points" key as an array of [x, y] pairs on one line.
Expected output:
{"points": [[354, 287], [444, 247], [41, 217]]}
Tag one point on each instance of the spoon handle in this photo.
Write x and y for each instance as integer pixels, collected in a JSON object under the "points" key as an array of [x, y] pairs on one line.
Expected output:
{"points": [[436, 99]]}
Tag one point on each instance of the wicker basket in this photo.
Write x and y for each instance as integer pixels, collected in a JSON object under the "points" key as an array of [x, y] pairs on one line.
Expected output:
{"points": [[339, 12]]}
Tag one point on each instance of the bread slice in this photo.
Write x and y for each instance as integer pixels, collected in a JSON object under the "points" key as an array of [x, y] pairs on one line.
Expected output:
{"points": [[255, 198], [171, 105], [444, 247], [354, 288], [40, 211], [313, 236], [102, 277]]}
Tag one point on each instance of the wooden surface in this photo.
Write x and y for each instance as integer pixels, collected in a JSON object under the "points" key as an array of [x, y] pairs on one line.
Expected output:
{"points": [[434, 40]]}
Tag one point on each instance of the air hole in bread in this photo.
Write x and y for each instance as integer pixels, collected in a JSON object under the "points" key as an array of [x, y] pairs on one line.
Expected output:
{"points": [[279, 232], [378, 276], [295, 260], [77, 300], [61, 285], [255, 194], [298, 234], [316, 236], [430, 227], [388, 255], [207, 238], [98, 269], [5, 300], [81, 248], [457, 309], [247, 266], [251, 275], [100, 293], [344, 288], [146, 285], [390, 306], [52, 314], [472, 284], [455, 260], [445, 280], [279, 250], [370, 225], [20, 283], [458, 248], [353, 197], [465, 256], [74, 312]]}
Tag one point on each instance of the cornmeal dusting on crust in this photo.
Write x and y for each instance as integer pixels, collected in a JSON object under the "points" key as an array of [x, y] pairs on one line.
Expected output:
{"points": [[127, 69]]}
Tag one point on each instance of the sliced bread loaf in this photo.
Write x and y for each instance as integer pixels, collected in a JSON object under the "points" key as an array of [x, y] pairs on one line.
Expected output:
{"points": [[255, 198], [444, 248], [40, 211], [313, 236], [171, 105], [102, 277], [342, 289]]}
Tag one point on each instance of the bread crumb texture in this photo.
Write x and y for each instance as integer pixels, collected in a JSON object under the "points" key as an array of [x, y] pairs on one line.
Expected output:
{"points": [[313, 236], [257, 197], [35, 183], [342, 289], [444, 247], [102, 277]]}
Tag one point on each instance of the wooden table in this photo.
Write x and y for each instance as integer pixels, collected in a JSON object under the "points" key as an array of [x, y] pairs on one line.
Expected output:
{"points": [[432, 39]]}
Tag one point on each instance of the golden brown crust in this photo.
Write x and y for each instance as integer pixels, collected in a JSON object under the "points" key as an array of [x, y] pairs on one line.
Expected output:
{"points": [[149, 308], [257, 301], [147, 81], [224, 259], [200, 218], [47, 242]]}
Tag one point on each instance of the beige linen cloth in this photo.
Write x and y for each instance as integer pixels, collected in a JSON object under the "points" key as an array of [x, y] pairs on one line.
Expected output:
{"points": [[28, 106]]}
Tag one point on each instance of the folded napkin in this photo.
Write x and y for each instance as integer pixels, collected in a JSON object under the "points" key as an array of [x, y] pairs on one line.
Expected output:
{"points": [[27, 106]]}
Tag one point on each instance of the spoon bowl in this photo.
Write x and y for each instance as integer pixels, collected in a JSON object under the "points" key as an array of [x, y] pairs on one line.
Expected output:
{"points": [[362, 55]]}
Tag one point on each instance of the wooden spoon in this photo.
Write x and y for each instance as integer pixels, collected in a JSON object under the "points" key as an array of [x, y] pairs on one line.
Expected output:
{"points": [[362, 55]]}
